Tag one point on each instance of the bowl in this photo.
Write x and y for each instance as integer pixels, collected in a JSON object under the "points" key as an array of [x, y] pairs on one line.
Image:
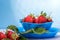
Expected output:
{"points": [[28, 26], [52, 32]]}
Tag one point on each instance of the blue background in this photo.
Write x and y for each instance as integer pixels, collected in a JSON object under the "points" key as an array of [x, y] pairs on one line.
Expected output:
{"points": [[13, 10]]}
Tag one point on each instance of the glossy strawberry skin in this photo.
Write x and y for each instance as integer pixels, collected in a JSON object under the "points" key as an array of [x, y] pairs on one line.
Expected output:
{"points": [[29, 19], [42, 19], [49, 20], [9, 33], [36, 20], [2, 36]]}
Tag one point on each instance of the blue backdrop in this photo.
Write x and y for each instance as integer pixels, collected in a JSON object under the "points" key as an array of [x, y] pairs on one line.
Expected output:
{"points": [[6, 14], [13, 10]]}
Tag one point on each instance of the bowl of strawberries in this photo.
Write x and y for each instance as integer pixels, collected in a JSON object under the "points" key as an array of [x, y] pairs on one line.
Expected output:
{"points": [[31, 21]]}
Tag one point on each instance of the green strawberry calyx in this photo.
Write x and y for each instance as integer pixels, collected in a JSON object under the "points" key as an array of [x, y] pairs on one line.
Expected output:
{"points": [[43, 13]]}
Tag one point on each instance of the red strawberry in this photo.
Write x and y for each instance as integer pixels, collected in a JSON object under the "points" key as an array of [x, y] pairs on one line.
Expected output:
{"points": [[42, 18], [49, 19], [12, 35], [2, 36], [23, 20], [29, 18], [9, 33], [36, 20]]}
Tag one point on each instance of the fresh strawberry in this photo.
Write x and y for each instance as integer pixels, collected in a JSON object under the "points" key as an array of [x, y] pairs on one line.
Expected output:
{"points": [[23, 20], [12, 35], [9, 33], [42, 18], [49, 19], [36, 20], [2, 36], [29, 18]]}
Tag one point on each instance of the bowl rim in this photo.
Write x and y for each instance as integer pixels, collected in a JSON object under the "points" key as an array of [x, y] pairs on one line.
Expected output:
{"points": [[34, 23]]}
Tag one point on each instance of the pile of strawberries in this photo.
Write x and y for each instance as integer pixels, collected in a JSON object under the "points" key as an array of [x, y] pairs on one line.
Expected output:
{"points": [[9, 35], [40, 19]]}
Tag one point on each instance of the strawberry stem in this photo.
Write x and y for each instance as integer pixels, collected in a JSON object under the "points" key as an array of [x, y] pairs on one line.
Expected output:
{"points": [[32, 15], [41, 12]]}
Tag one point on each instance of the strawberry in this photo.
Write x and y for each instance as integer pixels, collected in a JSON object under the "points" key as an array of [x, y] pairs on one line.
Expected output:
{"points": [[36, 20], [12, 35], [9, 34], [29, 18], [2, 36], [42, 18], [23, 20], [49, 19]]}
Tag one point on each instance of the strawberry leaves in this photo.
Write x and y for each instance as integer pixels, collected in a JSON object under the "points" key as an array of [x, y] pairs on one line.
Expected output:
{"points": [[13, 27]]}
